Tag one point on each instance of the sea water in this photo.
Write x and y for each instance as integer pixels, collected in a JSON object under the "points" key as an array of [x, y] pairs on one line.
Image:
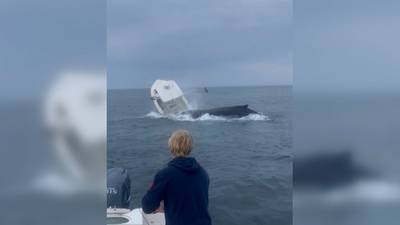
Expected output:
{"points": [[248, 159]]}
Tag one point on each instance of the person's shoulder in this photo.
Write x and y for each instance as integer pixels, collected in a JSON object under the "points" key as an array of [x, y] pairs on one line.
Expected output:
{"points": [[204, 171], [164, 172]]}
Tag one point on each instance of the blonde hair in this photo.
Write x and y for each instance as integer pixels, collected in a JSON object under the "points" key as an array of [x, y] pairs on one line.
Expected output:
{"points": [[180, 143]]}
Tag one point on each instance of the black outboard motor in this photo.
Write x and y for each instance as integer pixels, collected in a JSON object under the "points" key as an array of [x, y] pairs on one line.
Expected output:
{"points": [[118, 188]]}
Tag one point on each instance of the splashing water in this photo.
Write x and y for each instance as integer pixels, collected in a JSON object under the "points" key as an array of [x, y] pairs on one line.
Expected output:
{"points": [[155, 115], [207, 117]]}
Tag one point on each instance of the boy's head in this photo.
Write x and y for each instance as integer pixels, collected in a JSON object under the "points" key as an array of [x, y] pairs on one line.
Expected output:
{"points": [[180, 143]]}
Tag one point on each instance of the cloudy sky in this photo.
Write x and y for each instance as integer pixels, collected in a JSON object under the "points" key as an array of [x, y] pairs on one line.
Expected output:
{"points": [[199, 43], [41, 39], [347, 46], [338, 45]]}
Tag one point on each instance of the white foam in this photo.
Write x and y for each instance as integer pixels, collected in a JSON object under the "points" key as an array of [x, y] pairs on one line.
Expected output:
{"points": [[155, 115], [365, 192], [207, 117], [59, 184], [254, 116]]}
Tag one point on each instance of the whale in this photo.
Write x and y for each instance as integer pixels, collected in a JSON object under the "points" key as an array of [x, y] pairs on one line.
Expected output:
{"points": [[329, 170], [236, 111], [168, 98]]}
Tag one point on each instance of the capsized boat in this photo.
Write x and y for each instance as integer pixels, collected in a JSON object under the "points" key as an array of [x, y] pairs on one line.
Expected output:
{"points": [[169, 99]]}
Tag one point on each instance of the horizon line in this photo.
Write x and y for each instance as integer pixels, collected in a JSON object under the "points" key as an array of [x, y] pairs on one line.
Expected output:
{"points": [[217, 86]]}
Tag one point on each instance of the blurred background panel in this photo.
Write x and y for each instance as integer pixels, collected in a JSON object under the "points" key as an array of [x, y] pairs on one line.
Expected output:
{"points": [[346, 107], [52, 110]]}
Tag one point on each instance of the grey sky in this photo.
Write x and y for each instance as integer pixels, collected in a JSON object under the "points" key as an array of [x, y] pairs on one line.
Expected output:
{"points": [[347, 46], [338, 45], [199, 43], [42, 38]]}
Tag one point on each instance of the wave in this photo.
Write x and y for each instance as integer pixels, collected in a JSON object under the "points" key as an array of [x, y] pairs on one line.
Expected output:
{"points": [[206, 117], [364, 191], [60, 184], [371, 191], [155, 115]]}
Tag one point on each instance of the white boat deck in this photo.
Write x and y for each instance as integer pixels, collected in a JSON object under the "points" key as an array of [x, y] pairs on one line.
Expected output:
{"points": [[154, 219], [133, 217]]}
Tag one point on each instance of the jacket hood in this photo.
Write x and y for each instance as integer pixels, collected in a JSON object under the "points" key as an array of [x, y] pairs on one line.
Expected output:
{"points": [[186, 164]]}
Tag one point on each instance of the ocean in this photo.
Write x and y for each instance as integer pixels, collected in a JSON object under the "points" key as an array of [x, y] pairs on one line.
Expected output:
{"points": [[249, 160], [355, 139]]}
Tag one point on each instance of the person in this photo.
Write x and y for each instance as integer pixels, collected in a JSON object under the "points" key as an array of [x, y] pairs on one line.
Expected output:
{"points": [[180, 189]]}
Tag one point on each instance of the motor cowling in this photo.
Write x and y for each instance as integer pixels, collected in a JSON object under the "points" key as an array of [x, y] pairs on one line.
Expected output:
{"points": [[118, 188]]}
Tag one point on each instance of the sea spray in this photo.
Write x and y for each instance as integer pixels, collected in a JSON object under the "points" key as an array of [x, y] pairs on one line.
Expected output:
{"points": [[207, 117]]}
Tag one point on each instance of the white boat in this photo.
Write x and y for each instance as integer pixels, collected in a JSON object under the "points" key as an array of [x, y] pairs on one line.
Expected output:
{"points": [[118, 202], [168, 98], [133, 217]]}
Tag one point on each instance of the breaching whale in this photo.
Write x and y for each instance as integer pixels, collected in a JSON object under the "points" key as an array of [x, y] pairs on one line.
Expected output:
{"points": [[169, 99], [329, 170], [230, 111]]}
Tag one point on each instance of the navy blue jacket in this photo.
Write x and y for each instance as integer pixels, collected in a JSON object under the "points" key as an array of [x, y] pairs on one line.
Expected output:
{"points": [[183, 185]]}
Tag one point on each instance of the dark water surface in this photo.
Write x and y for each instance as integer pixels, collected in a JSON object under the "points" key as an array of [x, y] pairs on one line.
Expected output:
{"points": [[248, 160], [366, 128]]}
